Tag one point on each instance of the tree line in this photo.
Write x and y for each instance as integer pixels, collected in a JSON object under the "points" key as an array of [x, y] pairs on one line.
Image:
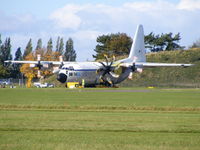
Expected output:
{"points": [[47, 52], [119, 44]]}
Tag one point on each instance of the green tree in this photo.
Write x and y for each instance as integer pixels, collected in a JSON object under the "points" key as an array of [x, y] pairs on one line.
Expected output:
{"points": [[57, 44], [28, 49], [3, 70], [113, 44], [0, 50], [196, 44], [39, 44], [60, 46], [16, 67], [70, 53], [162, 42], [18, 54], [50, 46], [5, 53], [154, 42], [172, 42]]}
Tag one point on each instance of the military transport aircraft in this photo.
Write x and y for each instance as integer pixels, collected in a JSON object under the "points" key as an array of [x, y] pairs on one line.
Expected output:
{"points": [[97, 73]]}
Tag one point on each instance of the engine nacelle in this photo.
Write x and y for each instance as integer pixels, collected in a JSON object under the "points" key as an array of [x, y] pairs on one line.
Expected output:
{"points": [[45, 65], [130, 76], [56, 69], [139, 70], [62, 77], [32, 65]]}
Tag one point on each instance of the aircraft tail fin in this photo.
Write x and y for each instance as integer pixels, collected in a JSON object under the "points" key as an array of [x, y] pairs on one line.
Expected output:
{"points": [[137, 52]]}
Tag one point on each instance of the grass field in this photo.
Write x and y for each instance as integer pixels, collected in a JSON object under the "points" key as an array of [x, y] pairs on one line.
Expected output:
{"points": [[148, 119]]}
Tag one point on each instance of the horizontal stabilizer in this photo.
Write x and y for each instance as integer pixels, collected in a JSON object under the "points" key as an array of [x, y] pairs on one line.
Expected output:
{"points": [[147, 64], [150, 65]]}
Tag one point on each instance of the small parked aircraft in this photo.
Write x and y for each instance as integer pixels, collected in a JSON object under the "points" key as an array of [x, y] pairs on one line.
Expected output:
{"points": [[97, 73]]}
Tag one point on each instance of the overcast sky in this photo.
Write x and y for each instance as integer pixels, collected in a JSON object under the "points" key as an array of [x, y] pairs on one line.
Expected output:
{"points": [[84, 20]]}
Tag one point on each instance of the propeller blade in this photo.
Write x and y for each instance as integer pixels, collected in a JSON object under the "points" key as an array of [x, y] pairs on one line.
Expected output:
{"points": [[106, 57], [38, 57], [111, 63], [105, 72], [61, 58], [56, 71], [38, 74], [109, 80], [113, 74], [61, 61], [102, 64], [113, 58]]}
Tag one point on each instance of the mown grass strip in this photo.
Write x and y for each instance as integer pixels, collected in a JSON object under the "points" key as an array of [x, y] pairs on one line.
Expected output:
{"points": [[98, 108], [99, 130]]}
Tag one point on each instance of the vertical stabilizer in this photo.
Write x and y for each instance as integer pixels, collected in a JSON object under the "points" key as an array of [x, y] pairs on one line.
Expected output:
{"points": [[137, 53]]}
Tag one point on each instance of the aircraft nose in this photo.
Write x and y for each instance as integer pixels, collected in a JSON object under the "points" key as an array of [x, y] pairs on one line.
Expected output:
{"points": [[62, 77]]}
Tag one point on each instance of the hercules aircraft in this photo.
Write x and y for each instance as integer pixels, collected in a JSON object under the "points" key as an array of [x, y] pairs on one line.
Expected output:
{"points": [[97, 73]]}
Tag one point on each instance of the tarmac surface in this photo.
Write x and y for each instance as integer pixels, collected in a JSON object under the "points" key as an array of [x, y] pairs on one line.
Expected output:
{"points": [[114, 90]]}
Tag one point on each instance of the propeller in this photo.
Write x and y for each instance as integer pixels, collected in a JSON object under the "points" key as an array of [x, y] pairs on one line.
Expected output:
{"points": [[133, 67], [107, 70], [57, 69], [61, 61], [39, 65]]}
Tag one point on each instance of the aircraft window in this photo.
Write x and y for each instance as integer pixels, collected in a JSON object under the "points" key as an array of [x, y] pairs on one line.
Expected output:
{"points": [[78, 74], [66, 72], [75, 73], [71, 68], [70, 74]]}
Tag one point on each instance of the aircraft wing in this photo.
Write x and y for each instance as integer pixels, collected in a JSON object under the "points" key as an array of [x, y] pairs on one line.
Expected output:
{"points": [[34, 62], [150, 65], [21, 62], [147, 64]]}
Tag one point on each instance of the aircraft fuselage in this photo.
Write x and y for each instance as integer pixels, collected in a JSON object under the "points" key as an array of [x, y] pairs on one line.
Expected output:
{"points": [[77, 72]]}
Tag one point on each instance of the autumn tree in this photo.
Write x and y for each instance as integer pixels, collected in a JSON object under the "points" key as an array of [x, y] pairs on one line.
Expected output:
{"points": [[32, 72], [29, 72]]}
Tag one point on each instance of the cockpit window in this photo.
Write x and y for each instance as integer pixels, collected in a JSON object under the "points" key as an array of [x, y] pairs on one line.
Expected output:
{"points": [[71, 68]]}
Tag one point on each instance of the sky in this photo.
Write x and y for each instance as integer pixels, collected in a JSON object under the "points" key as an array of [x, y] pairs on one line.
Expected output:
{"points": [[85, 20]]}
